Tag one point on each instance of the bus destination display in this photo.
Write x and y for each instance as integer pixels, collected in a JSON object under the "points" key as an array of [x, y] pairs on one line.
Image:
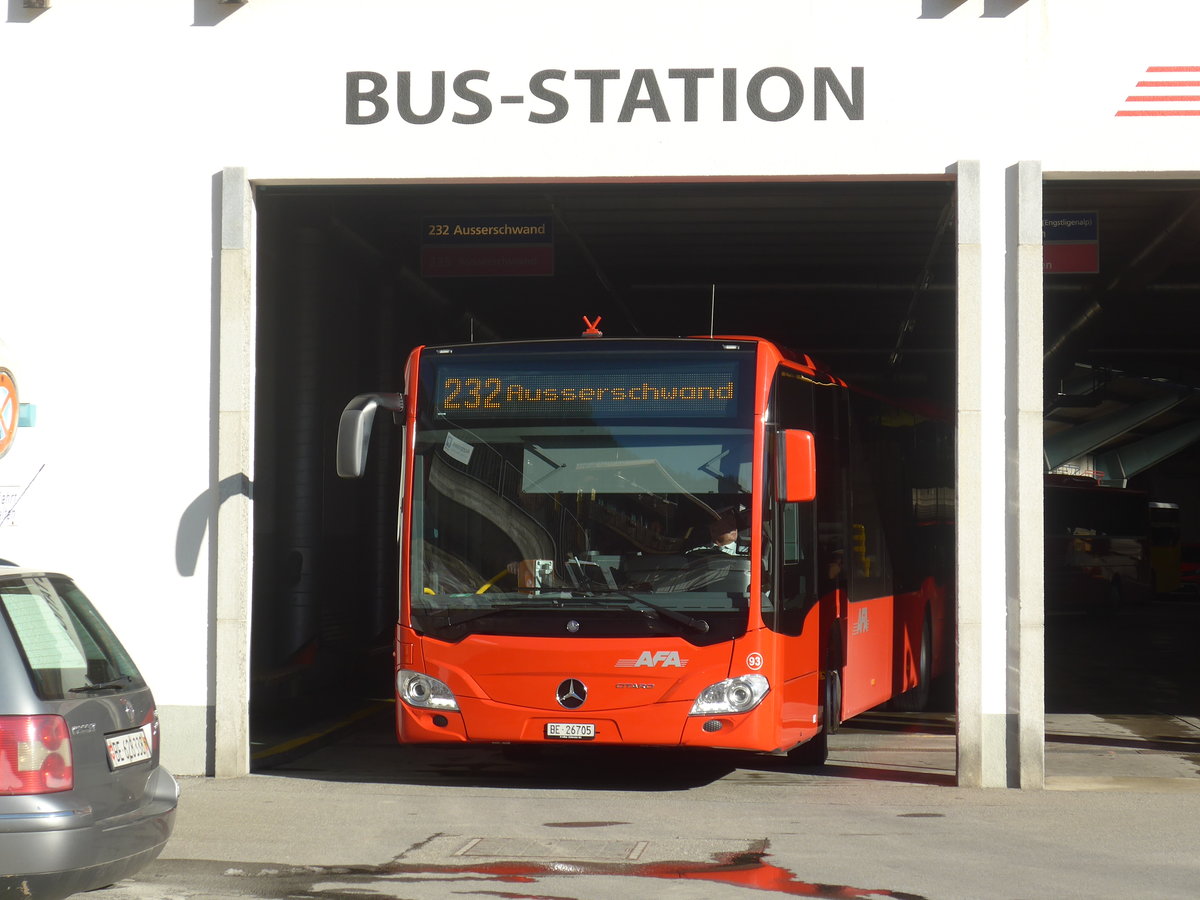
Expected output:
{"points": [[689, 390]]}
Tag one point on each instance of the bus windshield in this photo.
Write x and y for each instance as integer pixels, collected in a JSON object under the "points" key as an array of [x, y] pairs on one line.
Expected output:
{"points": [[514, 525]]}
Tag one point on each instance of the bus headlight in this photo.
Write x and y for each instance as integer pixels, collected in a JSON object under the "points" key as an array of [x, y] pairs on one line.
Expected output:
{"points": [[417, 689], [733, 695]]}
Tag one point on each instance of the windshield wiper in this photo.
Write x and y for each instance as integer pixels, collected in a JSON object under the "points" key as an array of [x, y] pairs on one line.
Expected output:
{"points": [[555, 601], [664, 611], [114, 685], [510, 604]]}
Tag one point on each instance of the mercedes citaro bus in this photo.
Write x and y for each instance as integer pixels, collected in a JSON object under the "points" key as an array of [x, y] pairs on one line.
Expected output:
{"points": [[558, 577]]}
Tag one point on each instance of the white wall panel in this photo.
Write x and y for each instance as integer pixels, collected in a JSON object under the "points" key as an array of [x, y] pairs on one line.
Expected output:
{"points": [[118, 116]]}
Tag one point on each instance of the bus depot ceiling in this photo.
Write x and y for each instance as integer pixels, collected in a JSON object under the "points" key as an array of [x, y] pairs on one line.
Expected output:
{"points": [[858, 274], [1122, 361]]}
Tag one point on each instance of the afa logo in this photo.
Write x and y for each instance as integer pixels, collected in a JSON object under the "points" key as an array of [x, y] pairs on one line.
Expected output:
{"points": [[863, 623], [667, 659]]}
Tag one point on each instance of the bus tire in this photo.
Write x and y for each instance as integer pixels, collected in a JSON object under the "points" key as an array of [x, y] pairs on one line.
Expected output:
{"points": [[916, 698], [815, 751], [833, 701]]}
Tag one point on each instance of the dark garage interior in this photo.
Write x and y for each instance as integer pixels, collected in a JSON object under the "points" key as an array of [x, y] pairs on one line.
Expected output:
{"points": [[859, 274]]}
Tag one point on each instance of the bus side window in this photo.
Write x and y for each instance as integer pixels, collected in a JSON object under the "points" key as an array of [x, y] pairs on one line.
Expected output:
{"points": [[796, 533], [831, 538], [793, 548], [868, 562]]}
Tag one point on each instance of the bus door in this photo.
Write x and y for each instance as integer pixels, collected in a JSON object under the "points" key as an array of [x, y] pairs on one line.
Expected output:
{"points": [[804, 545], [832, 536]]}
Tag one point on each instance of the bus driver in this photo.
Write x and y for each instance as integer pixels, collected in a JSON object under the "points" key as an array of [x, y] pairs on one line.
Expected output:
{"points": [[723, 532]]}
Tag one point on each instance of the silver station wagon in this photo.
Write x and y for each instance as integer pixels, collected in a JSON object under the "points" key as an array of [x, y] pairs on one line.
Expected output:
{"points": [[83, 800]]}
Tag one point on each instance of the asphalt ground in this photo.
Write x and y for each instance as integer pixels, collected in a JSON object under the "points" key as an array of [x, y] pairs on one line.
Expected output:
{"points": [[338, 810], [352, 815]]}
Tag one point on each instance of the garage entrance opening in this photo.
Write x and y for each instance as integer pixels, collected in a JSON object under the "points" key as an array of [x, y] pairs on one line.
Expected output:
{"points": [[860, 275], [1122, 435]]}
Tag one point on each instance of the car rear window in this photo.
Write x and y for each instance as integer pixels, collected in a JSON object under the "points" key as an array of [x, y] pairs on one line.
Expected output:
{"points": [[67, 647]]}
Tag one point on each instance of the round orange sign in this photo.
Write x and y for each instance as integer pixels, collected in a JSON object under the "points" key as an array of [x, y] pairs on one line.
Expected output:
{"points": [[10, 410]]}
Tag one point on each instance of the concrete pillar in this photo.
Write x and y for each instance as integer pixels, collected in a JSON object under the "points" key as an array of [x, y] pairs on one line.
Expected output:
{"points": [[233, 531], [1001, 723], [1026, 480]]}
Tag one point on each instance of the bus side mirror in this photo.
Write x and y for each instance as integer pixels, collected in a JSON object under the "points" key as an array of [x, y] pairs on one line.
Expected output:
{"points": [[798, 478], [354, 430]]}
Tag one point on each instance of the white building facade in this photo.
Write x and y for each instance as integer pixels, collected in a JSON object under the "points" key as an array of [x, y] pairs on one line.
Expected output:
{"points": [[139, 132]]}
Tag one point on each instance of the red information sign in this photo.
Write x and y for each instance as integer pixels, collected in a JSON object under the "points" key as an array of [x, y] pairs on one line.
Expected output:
{"points": [[486, 246], [496, 261], [1058, 259]]}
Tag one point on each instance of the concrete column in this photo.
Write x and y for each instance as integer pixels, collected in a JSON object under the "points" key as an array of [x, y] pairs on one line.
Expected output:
{"points": [[233, 530], [979, 468], [1026, 602], [1000, 684]]}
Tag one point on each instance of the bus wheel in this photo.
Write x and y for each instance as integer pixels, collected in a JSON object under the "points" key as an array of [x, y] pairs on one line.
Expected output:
{"points": [[915, 699], [833, 701], [815, 751]]}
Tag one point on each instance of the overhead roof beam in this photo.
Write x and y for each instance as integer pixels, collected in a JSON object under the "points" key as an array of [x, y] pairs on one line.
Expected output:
{"points": [[1087, 437], [1123, 463], [909, 322]]}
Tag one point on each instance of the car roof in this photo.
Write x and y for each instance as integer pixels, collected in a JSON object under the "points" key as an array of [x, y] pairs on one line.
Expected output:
{"points": [[20, 571]]}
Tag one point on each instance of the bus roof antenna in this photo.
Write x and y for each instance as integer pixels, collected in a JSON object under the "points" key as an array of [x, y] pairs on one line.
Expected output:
{"points": [[712, 310]]}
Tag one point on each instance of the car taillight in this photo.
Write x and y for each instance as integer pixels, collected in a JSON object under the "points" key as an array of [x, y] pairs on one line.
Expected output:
{"points": [[35, 755], [152, 721]]}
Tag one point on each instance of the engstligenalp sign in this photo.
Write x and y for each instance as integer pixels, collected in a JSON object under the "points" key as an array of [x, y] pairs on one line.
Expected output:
{"points": [[548, 96], [1070, 242]]}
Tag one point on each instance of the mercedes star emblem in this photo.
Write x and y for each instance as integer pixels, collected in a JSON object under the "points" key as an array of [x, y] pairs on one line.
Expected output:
{"points": [[571, 694]]}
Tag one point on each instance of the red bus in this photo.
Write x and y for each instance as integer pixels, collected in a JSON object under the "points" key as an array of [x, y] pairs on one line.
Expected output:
{"points": [[558, 576]]}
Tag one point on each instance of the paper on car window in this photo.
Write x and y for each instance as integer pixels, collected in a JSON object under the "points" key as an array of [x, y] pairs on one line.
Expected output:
{"points": [[43, 629], [458, 449]]}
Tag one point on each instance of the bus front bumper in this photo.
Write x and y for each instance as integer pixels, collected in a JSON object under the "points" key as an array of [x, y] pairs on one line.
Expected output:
{"points": [[655, 725]]}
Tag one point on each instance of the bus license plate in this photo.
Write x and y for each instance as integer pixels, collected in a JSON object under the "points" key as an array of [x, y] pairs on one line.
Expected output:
{"points": [[573, 731], [127, 749]]}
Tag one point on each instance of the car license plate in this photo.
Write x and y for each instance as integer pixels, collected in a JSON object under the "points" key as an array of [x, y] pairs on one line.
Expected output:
{"points": [[571, 731], [128, 748]]}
